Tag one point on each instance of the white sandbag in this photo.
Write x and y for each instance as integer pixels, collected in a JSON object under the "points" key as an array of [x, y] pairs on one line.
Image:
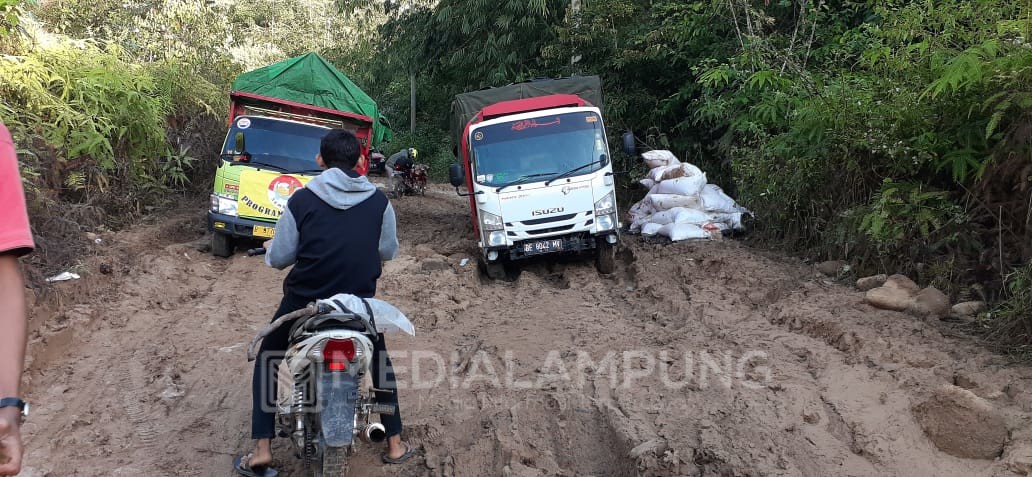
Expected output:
{"points": [[650, 229], [659, 157], [690, 216], [642, 209], [678, 170], [666, 216], [656, 174], [647, 183], [715, 200], [726, 221], [669, 201], [687, 185], [683, 232]]}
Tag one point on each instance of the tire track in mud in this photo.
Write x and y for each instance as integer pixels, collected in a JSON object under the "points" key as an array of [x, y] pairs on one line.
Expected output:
{"points": [[133, 389]]}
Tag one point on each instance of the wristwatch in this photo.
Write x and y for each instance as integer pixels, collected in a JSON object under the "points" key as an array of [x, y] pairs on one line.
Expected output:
{"points": [[22, 406]]}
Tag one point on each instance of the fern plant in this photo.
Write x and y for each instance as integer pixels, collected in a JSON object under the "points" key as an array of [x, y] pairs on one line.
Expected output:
{"points": [[902, 213]]}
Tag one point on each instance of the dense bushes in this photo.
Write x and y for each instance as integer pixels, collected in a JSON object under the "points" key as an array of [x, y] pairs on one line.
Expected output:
{"points": [[101, 137]]}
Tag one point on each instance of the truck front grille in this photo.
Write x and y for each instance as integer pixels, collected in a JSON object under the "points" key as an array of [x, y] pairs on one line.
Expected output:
{"points": [[545, 220], [562, 228]]}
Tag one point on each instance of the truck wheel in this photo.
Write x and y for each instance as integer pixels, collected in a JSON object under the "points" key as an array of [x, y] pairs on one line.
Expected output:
{"points": [[605, 258], [493, 270], [221, 245]]}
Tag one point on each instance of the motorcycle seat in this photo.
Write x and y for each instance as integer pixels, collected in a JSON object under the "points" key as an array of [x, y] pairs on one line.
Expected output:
{"points": [[330, 321]]}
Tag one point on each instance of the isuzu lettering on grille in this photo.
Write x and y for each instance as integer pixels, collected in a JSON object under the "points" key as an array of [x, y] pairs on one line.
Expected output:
{"points": [[553, 210]]}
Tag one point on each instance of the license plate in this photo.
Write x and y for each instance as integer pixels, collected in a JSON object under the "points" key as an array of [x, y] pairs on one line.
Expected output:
{"points": [[266, 232], [543, 246]]}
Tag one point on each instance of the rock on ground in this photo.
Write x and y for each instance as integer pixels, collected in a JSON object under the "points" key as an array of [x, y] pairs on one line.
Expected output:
{"points": [[962, 424], [871, 282], [930, 303], [896, 294], [831, 267], [968, 309]]}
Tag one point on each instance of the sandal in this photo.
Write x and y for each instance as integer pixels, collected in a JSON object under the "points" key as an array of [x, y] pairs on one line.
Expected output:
{"points": [[409, 452], [242, 467]]}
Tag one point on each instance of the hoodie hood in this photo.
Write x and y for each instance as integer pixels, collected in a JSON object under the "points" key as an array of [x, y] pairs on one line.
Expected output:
{"points": [[340, 189]]}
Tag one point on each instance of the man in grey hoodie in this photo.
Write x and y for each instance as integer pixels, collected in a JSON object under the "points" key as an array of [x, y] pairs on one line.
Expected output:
{"points": [[335, 232]]}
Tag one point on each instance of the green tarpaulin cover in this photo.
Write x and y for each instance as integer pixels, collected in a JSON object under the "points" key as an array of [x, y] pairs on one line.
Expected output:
{"points": [[310, 79], [467, 105]]}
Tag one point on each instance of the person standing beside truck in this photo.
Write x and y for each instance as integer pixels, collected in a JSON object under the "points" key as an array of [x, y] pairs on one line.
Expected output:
{"points": [[335, 232], [15, 241], [401, 160]]}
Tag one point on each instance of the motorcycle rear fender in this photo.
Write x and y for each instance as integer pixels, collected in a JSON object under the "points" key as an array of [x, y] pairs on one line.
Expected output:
{"points": [[297, 356], [338, 397]]}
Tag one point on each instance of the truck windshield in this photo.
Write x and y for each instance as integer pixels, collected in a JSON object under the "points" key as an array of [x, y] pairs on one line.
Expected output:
{"points": [[539, 148], [285, 145]]}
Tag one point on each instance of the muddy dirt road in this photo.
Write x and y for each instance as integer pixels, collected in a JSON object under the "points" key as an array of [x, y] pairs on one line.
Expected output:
{"points": [[693, 359]]}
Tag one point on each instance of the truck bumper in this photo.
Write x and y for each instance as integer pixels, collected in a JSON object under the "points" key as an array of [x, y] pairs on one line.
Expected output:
{"points": [[573, 243], [236, 226]]}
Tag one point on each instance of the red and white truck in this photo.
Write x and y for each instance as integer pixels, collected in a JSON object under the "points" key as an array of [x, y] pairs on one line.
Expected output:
{"points": [[536, 167]]}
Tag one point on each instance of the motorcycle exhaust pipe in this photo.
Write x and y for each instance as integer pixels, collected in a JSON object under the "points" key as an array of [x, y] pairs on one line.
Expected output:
{"points": [[374, 433]]}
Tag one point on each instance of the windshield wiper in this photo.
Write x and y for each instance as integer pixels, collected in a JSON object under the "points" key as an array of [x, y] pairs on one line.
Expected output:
{"points": [[521, 179], [571, 171], [260, 165]]}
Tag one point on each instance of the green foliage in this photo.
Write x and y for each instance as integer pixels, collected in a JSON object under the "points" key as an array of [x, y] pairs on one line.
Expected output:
{"points": [[903, 214], [1010, 322]]}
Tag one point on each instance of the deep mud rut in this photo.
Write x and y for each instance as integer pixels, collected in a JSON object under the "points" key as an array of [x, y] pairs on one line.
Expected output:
{"points": [[693, 359]]}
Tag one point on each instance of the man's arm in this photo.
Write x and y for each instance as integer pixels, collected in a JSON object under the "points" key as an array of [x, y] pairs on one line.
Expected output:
{"points": [[15, 240], [282, 252], [389, 234], [12, 357]]}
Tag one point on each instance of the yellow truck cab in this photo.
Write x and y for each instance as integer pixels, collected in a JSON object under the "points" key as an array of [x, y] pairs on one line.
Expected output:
{"points": [[278, 116]]}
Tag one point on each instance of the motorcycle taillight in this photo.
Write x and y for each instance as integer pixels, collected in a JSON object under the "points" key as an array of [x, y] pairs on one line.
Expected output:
{"points": [[337, 354]]}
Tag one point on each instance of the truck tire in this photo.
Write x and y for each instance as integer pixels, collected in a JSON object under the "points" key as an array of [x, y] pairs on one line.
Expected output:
{"points": [[221, 245], [493, 270], [605, 257]]}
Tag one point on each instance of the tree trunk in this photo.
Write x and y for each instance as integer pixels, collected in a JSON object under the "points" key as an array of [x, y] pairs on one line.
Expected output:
{"points": [[412, 102]]}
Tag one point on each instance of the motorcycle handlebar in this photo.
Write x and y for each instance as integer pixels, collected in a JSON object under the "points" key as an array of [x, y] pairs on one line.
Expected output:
{"points": [[256, 251]]}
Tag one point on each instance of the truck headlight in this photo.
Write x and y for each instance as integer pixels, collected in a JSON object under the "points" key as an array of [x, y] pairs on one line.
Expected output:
{"points": [[606, 205], [490, 222], [223, 205], [605, 222], [496, 239]]}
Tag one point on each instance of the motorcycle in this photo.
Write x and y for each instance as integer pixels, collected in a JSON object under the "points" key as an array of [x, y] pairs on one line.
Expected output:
{"points": [[329, 403], [411, 181], [377, 164]]}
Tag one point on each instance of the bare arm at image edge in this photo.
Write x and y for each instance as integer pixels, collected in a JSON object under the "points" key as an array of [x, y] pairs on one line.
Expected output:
{"points": [[15, 240]]}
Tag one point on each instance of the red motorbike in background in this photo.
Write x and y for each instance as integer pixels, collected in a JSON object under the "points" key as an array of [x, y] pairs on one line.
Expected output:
{"points": [[410, 181]]}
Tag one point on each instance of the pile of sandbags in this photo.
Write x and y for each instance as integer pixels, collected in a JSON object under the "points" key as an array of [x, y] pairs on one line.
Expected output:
{"points": [[680, 204]]}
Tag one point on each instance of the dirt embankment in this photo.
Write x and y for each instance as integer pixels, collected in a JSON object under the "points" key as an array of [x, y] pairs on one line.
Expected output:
{"points": [[693, 359]]}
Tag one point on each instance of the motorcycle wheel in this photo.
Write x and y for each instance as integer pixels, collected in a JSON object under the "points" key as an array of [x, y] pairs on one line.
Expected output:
{"points": [[334, 462], [399, 188]]}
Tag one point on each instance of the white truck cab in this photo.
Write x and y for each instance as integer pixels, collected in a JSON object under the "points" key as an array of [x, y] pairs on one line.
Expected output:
{"points": [[540, 180]]}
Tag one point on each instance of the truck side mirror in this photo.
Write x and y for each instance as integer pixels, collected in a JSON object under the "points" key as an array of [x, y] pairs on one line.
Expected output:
{"points": [[456, 175], [240, 144], [628, 143]]}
